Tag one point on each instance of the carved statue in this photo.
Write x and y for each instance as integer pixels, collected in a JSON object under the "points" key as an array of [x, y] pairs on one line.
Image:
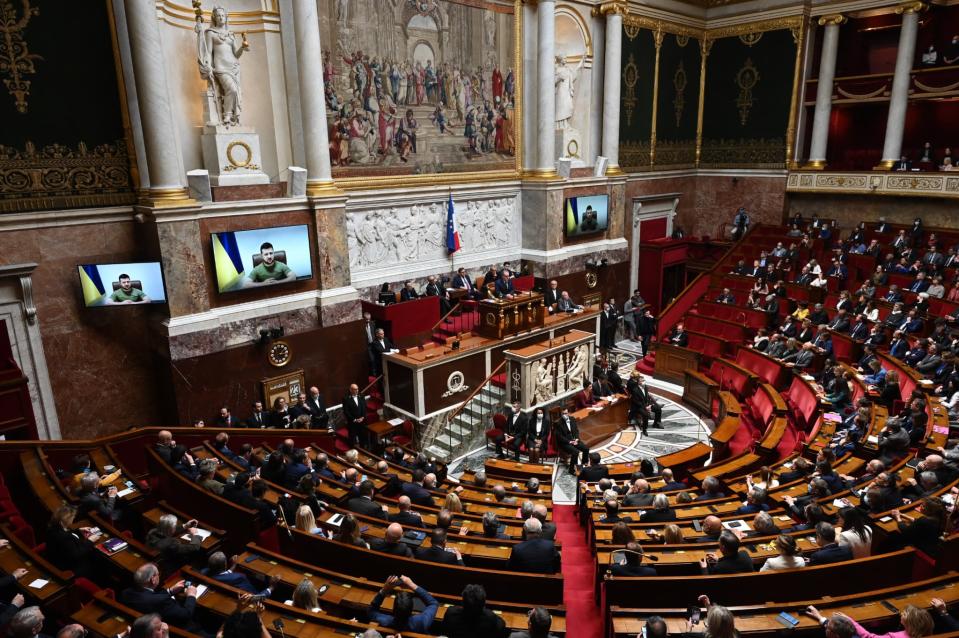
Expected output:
{"points": [[544, 382], [561, 382], [218, 55], [577, 367], [565, 82]]}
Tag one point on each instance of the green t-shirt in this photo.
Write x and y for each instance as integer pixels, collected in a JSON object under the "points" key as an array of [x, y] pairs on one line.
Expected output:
{"points": [[135, 294], [278, 270]]}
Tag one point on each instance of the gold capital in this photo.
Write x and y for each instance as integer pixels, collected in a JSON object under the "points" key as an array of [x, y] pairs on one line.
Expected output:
{"points": [[911, 7], [612, 7], [836, 19]]}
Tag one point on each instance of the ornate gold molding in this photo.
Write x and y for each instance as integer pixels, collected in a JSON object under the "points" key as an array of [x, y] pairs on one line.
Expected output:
{"points": [[789, 22], [895, 184], [836, 19], [791, 123], [658, 42], [636, 22], [617, 7], [166, 198], [911, 7], [16, 61], [704, 46]]}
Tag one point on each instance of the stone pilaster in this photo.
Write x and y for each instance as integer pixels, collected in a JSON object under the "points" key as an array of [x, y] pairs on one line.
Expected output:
{"points": [[899, 96], [827, 72]]}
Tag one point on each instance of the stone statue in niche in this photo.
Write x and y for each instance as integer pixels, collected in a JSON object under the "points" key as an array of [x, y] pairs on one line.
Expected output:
{"points": [[565, 82], [218, 56], [577, 367], [544, 382]]}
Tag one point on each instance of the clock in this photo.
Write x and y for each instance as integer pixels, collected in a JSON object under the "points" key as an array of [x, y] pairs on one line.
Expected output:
{"points": [[592, 280], [279, 354]]}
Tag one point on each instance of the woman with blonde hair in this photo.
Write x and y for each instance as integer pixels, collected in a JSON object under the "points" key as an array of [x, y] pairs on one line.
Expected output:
{"points": [[453, 503], [719, 622], [305, 521], [916, 623], [673, 534], [305, 596], [788, 558]]}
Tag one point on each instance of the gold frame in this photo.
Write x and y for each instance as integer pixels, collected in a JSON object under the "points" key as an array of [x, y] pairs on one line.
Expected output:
{"points": [[373, 182]]}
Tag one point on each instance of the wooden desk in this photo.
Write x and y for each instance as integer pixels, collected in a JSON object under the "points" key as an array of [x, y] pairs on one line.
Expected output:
{"points": [[500, 318], [407, 323], [673, 361], [381, 429]]}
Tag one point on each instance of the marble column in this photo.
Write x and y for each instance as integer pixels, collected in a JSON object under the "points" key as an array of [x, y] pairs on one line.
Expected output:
{"points": [[156, 112], [309, 59], [899, 96], [827, 72], [546, 89], [612, 69]]}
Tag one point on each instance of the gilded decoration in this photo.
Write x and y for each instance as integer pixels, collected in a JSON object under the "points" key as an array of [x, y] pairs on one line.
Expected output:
{"points": [[16, 61], [682, 40], [746, 78], [630, 78], [675, 154], [634, 155], [57, 175], [750, 39], [679, 83], [872, 183], [728, 153]]}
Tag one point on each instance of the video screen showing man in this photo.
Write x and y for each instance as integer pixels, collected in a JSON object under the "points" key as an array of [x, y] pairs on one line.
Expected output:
{"points": [[270, 270], [126, 293]]}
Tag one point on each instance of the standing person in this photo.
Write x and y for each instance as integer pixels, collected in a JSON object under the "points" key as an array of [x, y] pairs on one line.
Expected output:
{"points": [[608, 321], [646, 328], [740, 223], [355, 411]]}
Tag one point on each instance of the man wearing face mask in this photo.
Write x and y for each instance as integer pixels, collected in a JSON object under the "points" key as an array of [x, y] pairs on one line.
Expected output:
{"points": [[537, 435], [567, 435]]}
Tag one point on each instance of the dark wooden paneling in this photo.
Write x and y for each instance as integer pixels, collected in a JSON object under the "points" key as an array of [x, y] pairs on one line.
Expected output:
{"points": [[435, 378], [613, 282], [332, 358], [401, 387]]}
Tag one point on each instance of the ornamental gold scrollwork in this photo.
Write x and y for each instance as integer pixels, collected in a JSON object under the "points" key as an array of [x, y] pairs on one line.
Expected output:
{"points": [[682, 40], [746, 78], [751, 39], [911, 7], [679, 83], [631, 30], [630, 78], [15, 58], [246, 162]]}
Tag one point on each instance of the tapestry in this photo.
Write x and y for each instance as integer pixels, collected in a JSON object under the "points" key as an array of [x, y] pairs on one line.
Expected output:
{"points": [[749, 82], [62, 143], [636, 98], [416, 87], [677, 105]]}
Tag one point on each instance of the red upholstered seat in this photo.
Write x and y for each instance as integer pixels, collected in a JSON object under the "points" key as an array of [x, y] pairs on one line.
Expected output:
{"points": [[405, 437], [499, 425]]}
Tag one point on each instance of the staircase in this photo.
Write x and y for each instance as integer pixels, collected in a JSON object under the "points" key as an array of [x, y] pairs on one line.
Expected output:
{"points": [[464, 428]]}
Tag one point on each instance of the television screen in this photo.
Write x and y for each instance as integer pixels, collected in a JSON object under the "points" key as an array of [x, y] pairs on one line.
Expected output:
{"points": [[122, 284], [246, 259], [586, 215]]}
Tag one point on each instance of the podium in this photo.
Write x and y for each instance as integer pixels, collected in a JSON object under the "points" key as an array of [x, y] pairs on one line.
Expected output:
{"points": [[550, 369], [500, 318]]}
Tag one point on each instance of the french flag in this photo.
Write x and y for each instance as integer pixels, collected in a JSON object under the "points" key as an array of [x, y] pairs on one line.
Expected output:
{"points": [[452, 236]]}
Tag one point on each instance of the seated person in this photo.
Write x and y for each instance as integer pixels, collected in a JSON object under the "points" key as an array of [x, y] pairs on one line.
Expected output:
{"points": [[408, 292], [67, 548], [147, 597], [403, 618], [165, 537], [503, 289], [632, 563], [219, 569], [391, 542], [830, 551], [732, 559], [566, 304], [535, 555]]}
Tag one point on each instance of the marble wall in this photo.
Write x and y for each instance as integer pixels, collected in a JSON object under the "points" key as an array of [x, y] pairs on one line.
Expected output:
{"points": [[101, 361]]}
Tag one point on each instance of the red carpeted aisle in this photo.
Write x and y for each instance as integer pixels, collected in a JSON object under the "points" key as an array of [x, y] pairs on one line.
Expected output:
{"points": [[583, 617]]}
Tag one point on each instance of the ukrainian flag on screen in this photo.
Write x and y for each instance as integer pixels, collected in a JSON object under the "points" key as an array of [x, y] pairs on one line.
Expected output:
{"points": [[226, 257], [92, 285], [572, 216]]}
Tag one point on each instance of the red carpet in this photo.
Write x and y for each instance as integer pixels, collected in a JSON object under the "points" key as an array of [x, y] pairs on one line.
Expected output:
{"points": [[583, 617]]}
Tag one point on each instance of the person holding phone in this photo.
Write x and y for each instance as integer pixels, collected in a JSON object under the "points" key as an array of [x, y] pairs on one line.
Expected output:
{"points": [[403, 618], [719, 621]]}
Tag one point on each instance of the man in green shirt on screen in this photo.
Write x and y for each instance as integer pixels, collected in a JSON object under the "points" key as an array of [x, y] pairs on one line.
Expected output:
{"points": [[269, 270], [126, 293]]}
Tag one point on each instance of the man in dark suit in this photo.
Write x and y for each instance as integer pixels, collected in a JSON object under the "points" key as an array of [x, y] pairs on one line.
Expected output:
{"points": [[514, 433], [164, 445], [405, 516], [409, 292], [841, 322], [535, 555], [146, 598], [226, 420], [919, 284], [537, 432], [566, 304], [260, 418], [436, 289], [391, 542], [363, 504], [437, 551], [859, 330], [317, 408], [567, 437], [732, 559], [354, 412], [642, 403], [608, 320], [679, 337], [883, 226], [299, 466], [830, 551], [218, 569], [639, 494], [595, 470], [380, 346], [473, 618], [417, 491], [670, 484], [726, 297], [462, 281], [504, 286], [549, 529], [632, 564], [552, 296]]}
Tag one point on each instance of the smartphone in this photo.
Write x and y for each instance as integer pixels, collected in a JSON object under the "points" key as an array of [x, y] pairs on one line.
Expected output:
{"points": [[322, 590], [787, 619], [694, 615], [187, 583], [888, 605], [128, 483], [251, 558], [697, 526]]}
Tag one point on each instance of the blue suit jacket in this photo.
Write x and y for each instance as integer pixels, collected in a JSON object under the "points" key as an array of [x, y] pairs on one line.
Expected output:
{"points": [[240, 581], [833, 553], [504, 287], [420, 622]]}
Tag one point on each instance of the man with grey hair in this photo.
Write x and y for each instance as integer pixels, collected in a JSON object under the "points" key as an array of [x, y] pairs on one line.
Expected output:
{"points": [[491, 526], [549, 529], [839, 626], [661, 512], [499, 493], [538, 623], [165, 537], [711, 489], [532, 485], [148, 598], [73, 630], [534, 555], [755, 502], [207, 476], [27, 622], [149, 626], [526, 510], [763, 525], [219, 569], [91, 500], [479, 478], [927, 484], [639, 494]]}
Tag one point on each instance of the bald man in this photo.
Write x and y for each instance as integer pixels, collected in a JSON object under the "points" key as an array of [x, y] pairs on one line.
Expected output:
{"points": [[164, 444], [406, 516], [355, 411], [392, 543], [712, 528]]}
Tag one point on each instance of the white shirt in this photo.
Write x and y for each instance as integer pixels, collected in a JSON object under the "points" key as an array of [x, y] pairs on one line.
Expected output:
{"points": [[539, 427], [783, 562], [859, 547]]}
